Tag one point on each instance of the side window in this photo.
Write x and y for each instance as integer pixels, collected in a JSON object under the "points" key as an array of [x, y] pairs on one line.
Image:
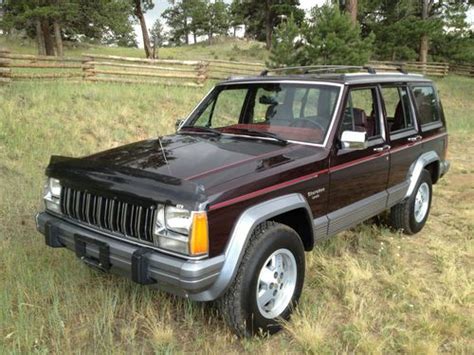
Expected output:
{"points": [[224, 110], [361, 112], [397, 106], [427, 104]]}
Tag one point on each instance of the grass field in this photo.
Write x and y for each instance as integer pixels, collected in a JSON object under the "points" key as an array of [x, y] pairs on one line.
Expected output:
{"points": [[367, 290], [223, 48]]}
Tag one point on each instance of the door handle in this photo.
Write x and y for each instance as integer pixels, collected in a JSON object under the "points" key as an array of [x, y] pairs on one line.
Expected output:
{"points": [[382, 149], [415, 138]]}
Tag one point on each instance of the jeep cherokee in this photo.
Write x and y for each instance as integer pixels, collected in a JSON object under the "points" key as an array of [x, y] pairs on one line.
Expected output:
{"points": [[262, 169]]}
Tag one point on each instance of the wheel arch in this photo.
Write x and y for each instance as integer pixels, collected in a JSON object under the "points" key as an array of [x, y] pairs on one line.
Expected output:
{"points": [[430, 161], [277, 209]]}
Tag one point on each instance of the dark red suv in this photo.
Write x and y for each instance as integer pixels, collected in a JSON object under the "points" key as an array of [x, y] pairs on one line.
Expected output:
{"points": [[260, 171]]}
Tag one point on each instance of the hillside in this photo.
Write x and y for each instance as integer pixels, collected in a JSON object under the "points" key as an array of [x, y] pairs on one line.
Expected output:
{"points": [[224, 48]]}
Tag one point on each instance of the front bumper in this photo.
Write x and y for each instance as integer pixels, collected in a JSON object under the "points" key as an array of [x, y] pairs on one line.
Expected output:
{"points": [[186, 278]]}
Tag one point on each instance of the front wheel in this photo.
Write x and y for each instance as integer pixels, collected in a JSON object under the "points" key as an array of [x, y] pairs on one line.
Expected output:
{"points": [[268, 283], [411, 214]]}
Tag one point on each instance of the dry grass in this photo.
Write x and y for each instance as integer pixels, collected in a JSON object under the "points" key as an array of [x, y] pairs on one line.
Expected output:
{"points": [[367, 290]]}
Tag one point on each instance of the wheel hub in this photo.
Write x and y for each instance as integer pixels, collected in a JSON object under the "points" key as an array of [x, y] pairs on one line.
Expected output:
{"points": [[422, 200], [276, 283]]}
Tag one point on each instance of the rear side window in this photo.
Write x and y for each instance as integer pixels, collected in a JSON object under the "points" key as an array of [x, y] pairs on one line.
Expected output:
{"points": [[426, 102], [397, 106]]}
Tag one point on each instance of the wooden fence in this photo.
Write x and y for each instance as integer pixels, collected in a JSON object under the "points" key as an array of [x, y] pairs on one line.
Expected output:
{"points": [[94, 68], [191, 73], [150, 71], [462, 69], [430, 69], [222, 69]]}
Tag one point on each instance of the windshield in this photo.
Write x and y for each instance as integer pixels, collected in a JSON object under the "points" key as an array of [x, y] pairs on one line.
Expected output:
{"points": [[283, 111]]}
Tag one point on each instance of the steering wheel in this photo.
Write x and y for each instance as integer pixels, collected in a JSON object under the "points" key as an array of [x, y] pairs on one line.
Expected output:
{"points": [[304, 122]]}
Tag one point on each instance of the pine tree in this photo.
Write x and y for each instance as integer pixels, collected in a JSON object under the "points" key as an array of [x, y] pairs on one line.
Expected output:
{"points": [[218, 19], [262, 16], [287, 45], [157, 36], [331, 38]]}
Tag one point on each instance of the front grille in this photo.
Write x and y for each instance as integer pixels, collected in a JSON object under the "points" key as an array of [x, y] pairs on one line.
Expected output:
{"points": [[110, 214]]}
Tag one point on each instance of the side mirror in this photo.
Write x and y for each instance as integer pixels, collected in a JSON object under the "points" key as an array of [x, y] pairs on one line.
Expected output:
{"points": [[354, 140], [178, 123]]}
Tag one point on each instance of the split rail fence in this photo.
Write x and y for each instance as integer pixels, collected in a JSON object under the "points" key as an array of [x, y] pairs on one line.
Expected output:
{"points": [[95, 68], [222, 69], [430, 69], [191, 73], [462, 69]]}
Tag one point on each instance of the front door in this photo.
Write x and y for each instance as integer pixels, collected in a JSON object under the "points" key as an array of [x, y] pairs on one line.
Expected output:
{"points": [[358, 178]]}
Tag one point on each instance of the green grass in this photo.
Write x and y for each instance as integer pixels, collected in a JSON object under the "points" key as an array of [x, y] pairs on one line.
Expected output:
{"points": [[367, 290], [224, 48]]}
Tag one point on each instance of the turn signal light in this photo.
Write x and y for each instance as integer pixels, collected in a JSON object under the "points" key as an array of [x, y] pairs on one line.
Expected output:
{"points": [[199, 240]]}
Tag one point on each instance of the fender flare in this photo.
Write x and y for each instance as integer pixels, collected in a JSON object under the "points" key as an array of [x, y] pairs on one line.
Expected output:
{"points": [[241, 233], [417, 167]]}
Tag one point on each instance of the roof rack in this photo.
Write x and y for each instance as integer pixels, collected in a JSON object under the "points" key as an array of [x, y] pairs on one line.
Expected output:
{"points": [[321, 69], [399, 67], [308, 69]]}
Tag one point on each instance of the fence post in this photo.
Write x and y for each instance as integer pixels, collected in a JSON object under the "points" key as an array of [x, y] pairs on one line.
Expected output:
{"points": [[87, 68], [423, 68], [446, 69], [202, 72], [5, 70]]}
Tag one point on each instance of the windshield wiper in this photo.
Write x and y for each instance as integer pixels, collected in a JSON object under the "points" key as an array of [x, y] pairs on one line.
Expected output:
{"points": [[201, 129], [257, 133]]}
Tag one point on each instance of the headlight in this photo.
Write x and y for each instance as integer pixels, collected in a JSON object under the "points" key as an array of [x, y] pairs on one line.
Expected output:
{"points": [[180, 230], [52, 195]]}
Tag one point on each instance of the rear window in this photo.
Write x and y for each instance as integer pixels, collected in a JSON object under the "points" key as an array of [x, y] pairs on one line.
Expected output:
{"points": [[426, 102]]}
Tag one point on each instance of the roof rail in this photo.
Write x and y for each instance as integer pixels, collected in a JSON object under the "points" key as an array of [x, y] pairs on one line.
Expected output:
{"points": [[318, 69], [400, 67]]}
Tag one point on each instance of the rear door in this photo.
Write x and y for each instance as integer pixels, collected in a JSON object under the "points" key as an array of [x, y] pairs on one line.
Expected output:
{"points": [[404, 137], [430, 118], [358, 178]]}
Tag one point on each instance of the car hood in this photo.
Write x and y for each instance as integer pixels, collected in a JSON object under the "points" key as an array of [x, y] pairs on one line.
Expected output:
{"points": [[203, 159]]}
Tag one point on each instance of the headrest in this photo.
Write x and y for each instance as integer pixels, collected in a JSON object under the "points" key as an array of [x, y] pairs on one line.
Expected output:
{"points": [[360, 118]]}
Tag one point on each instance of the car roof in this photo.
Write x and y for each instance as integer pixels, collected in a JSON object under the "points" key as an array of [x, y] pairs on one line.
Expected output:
{"points": [[343, 79]]}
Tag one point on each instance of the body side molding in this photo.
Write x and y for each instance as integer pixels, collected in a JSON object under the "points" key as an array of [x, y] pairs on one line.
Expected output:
{"points": [[242, 231], [417, 167]]}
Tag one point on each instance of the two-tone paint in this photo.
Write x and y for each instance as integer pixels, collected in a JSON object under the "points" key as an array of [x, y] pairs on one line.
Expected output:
{"points": [[241, 181]]}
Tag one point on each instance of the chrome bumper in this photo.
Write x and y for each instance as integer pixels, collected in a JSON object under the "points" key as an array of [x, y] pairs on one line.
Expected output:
{"points": [[187, 278]]}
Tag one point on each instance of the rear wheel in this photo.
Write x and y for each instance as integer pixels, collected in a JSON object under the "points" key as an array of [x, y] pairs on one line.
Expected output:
{"points": [[268, 283], [411, 214]]}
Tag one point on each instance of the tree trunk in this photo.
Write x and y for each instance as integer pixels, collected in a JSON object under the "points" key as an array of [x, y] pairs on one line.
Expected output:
{"points": [[351, 9], [58, 38], [186, 30], [146, 37], [424, 48], [209, 36], [423, 55], [235, 31], [268, 25], [155, 48], [48, 39], [40, 38], [194, 37]]}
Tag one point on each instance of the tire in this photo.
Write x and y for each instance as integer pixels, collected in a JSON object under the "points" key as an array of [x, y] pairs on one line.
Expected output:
{"points": [[245, 312], [407, 215]]}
